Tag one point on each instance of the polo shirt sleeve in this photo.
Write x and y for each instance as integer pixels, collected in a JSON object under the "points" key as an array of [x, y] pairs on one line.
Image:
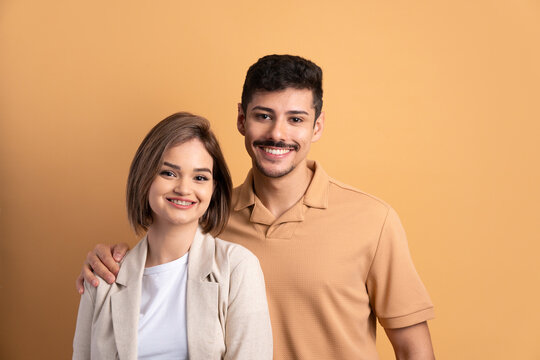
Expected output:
{"points": [[396, 293]]}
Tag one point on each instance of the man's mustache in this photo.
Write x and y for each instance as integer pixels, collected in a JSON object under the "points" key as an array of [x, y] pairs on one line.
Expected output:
{"points": [[279, 144]]}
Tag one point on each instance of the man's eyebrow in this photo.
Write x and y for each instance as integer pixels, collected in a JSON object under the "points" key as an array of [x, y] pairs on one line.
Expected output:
{"points": [[263, 109], [297, 112], [171, 165], [290, 112], [203, 170]]}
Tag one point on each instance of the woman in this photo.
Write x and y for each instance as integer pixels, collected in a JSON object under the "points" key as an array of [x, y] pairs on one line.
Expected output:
{"points": [[180, 293]]}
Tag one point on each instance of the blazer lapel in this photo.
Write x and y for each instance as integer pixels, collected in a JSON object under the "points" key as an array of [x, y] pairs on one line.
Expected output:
{"points": [[125, 303], [202, 298]]}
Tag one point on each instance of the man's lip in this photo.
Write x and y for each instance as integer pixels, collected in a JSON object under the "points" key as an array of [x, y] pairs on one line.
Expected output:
{"points": [[276, 151], [269, 144], [277, 147]]}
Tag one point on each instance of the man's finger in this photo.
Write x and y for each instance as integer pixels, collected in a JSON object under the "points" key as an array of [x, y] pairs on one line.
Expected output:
{"points": [[104, 253], [119, 251], [79, 284], [97, 265], [88, 276]]}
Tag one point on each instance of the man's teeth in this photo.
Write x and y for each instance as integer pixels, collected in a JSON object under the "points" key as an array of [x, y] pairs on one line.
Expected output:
{"points": [[180, 202], [276, 151]]}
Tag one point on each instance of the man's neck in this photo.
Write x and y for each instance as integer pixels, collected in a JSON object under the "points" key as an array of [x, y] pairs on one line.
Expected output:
{"points": [[280, 194]]}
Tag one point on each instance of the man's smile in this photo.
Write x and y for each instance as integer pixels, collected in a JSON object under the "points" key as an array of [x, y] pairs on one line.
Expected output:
{"points": [[275, 148], [274, 151]]}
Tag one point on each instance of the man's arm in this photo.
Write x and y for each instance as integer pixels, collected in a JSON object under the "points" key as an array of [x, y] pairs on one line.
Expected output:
{"points": [[101, 261], [411, 342]]}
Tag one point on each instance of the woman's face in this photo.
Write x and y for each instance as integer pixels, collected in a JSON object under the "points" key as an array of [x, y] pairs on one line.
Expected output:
{"points": [[183, 187]]}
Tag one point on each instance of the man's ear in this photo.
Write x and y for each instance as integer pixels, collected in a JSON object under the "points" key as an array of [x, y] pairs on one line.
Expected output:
{"points": [[241, 120], [318, 128]]}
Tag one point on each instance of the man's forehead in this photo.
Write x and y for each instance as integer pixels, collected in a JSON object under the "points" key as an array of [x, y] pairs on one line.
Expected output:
{"points": [[284, 99]]}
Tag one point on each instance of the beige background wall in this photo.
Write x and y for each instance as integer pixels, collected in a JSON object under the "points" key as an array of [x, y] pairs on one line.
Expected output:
{"points": [[431, 105]]}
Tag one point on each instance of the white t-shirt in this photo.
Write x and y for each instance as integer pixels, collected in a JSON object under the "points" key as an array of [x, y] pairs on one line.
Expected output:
{"points": [[162, 319]]}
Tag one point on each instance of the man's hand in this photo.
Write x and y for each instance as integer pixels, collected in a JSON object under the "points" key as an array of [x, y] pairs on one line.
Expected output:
{"points": [[103, 260], [411, 342]]}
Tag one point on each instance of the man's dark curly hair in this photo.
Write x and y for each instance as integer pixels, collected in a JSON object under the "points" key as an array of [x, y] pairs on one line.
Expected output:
{"points": [[278, 72]]}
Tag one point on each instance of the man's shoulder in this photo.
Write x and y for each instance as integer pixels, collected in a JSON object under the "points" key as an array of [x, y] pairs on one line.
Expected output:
{"points": [[236, 190], [344, 193], [341, 193]]}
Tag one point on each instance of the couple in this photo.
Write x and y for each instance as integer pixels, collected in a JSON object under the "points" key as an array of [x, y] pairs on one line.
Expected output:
{"points": [[334, 258]]}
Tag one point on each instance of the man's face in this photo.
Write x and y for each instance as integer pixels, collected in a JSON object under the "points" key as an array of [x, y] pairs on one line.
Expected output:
{"points": [[279, 127]]}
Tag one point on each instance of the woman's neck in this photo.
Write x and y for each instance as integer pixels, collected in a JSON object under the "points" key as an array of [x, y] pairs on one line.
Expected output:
{"points": [[167, 243]]}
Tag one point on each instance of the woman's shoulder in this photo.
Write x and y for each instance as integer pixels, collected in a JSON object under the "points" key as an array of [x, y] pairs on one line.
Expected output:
{"points": [[99, 293], [130, 266], [235, 254]]}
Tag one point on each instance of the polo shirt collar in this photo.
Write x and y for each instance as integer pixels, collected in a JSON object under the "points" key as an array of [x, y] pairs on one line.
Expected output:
{"points": [[316, 194], [246, 195]]}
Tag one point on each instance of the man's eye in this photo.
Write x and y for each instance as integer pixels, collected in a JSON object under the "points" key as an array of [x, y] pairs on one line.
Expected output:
{"points": [[263, 116], [296, 120]]}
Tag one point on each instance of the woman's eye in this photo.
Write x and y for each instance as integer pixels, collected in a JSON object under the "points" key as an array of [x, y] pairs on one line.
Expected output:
{"points": [[167, 173], [201, 178]]}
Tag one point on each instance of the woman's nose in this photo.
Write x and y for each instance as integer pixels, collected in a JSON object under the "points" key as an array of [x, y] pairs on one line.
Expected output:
{"points": [[182, 187]]}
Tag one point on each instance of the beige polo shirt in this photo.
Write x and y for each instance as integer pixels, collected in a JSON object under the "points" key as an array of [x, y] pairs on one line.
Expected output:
{"points": [[333, 263]]}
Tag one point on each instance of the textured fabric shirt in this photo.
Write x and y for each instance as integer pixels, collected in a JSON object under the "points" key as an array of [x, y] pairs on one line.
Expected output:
{"points": [[333, 263]]}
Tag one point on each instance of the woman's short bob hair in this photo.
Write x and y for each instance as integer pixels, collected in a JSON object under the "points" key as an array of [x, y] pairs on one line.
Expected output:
{"points": [[171, 131]]}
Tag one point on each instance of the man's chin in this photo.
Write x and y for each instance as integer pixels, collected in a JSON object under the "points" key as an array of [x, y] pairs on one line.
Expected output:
{"points": [[273, 173]]}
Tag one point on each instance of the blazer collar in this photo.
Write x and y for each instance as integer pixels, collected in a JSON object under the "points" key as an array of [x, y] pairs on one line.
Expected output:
{"points": [[201, 256], [202, 298], [133, 264], [125, 302]]}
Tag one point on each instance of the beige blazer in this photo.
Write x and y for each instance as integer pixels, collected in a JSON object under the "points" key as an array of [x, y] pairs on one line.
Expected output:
{"points": [[227, 312]]}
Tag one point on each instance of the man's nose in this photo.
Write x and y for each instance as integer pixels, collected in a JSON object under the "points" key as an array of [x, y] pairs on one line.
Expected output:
{"points": [[278, 130]]}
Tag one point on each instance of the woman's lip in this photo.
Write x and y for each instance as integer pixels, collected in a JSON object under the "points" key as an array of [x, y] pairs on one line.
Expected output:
{"points": [[181, 202]]}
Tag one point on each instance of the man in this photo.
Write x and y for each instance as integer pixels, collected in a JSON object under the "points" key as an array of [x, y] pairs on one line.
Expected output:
{"points": [[333, 257]]}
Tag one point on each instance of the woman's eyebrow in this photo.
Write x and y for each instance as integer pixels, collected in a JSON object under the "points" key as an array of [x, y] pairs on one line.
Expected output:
{"points": [[203, 169], [171, 165]]}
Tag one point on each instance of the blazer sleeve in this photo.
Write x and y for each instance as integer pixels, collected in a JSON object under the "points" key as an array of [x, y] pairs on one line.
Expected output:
{"points": [[248, 333], [83, 330]]}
